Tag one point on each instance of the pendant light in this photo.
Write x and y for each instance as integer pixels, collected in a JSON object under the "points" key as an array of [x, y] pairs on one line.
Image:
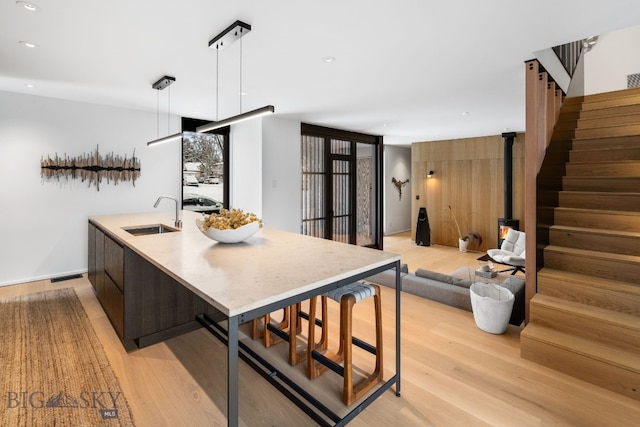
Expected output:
{"points": [[161, 84], [234, 32]]}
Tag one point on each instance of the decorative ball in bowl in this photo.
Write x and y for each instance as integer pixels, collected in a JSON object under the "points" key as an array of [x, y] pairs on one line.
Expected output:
{"points": [[232, 226]]}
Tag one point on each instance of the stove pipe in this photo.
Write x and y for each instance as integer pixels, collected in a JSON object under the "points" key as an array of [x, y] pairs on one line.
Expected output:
{"points": [[508, 173]]}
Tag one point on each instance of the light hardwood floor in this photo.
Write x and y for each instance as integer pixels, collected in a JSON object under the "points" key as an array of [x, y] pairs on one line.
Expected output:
{"points": [[453, 374]]}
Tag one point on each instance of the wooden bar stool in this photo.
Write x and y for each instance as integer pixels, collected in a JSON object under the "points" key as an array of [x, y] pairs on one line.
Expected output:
{"points": [[348, 296], [291, 322], [264, 333], [296, 356]]}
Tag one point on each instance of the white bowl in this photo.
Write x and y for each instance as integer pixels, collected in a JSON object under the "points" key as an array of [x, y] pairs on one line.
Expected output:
{"points": [[232, 235]]}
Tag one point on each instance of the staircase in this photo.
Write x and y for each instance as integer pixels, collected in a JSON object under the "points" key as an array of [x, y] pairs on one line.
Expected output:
{"points": [[585, 318]]}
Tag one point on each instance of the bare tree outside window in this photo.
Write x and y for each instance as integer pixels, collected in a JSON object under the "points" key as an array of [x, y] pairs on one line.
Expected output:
{"points": [[202, 172]]}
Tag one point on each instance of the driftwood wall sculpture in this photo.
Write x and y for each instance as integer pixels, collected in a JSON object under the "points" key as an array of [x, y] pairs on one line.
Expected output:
{"points": [[399, 184], [92, 168]]}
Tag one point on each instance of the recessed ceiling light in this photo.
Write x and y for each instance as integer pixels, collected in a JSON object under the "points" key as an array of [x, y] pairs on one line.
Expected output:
{"points": [[28, 44], [244, 93], [329, 59], [30, 85], [465, 113], [28, 6]]}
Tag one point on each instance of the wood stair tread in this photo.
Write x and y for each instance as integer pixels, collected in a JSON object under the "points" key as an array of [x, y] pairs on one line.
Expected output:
{"points": [[600, 162], [583, 347], [599, 211], [603, 315], [578, 143], [598, 177], [594, 254], [600, 193], [605, 149], [608, 120], [595, 231], [596, 282], [604, 96]]}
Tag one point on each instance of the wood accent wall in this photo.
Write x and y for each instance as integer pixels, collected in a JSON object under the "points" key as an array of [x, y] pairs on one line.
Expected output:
{"points": [[468, 175]]}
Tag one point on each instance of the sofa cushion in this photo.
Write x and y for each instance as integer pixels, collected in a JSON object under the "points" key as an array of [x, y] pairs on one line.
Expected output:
{"points": [[440, 277], [388, 277], [455, 296], [445, 278], [465, 283]]}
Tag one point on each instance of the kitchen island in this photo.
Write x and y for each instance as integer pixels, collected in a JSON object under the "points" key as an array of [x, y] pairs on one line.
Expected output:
{"points": [[232, 283]]}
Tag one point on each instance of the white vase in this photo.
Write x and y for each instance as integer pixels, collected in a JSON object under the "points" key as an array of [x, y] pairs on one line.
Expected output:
{"points": [[462, 245], [492, 306]]}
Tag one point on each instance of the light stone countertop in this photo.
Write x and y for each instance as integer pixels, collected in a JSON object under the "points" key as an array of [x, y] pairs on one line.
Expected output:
{"points": [[267, 268]]}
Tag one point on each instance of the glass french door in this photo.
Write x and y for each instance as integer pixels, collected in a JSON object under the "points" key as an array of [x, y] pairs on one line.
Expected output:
{"points": [[339, 190], [341, 196]]}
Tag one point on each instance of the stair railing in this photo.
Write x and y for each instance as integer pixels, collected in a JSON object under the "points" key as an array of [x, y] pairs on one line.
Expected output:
{"points": [[569, 54]]}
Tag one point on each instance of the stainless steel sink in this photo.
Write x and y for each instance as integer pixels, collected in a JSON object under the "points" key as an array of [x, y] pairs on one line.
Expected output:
{"points": [[144, 230]]}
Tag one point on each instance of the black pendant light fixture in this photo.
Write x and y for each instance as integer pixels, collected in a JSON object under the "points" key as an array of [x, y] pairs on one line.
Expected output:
{"points": [[161, 84], [233, 32]]}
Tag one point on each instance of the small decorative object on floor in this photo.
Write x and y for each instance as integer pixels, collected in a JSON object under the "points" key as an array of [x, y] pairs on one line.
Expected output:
{"points": [[464, 240], [229, 226]]}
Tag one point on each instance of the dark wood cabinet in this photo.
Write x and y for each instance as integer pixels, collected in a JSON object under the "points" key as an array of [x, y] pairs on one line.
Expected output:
{"points": [[106, 273], [114, 262], [144, 304], [91, 251], [96, 260], [113, 304]]}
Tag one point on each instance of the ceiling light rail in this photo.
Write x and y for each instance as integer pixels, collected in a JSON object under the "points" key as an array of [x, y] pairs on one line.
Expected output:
{"points": [[236, 119]]}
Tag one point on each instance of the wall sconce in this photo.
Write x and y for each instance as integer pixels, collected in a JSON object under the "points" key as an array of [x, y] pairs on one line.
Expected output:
{"points": [[430, 174]]}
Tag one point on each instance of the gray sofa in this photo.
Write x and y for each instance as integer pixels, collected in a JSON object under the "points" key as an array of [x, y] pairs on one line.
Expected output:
{"points": [[451, 289]]}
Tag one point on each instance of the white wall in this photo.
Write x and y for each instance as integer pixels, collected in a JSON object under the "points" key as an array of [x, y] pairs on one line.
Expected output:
{"points": [[43, 225], [397, 212], [281, 174], [614, 56], [246, 166]]}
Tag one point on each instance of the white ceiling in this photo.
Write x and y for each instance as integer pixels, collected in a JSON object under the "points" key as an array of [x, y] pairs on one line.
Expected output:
{"points": [[405, 69]]}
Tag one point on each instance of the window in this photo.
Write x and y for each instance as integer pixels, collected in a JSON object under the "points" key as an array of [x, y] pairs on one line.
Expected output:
{"points": [[205, 168]]}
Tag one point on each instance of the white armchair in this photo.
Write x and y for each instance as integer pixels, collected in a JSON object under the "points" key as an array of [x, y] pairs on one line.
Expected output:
{"points": [[511, 252]]}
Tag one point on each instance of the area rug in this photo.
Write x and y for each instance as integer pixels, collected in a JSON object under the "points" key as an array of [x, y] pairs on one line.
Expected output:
{"points": [[54, 370], [485, 257]]}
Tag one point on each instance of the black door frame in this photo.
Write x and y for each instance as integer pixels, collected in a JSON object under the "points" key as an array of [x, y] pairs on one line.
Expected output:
{"points": [[354, 138]]}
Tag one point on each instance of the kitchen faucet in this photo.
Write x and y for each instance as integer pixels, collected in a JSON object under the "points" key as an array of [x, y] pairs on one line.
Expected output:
{"points": [[178, 222]]}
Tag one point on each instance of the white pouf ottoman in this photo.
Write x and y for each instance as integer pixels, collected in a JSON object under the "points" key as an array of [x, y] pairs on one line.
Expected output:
{"points": [[491, 305]]}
